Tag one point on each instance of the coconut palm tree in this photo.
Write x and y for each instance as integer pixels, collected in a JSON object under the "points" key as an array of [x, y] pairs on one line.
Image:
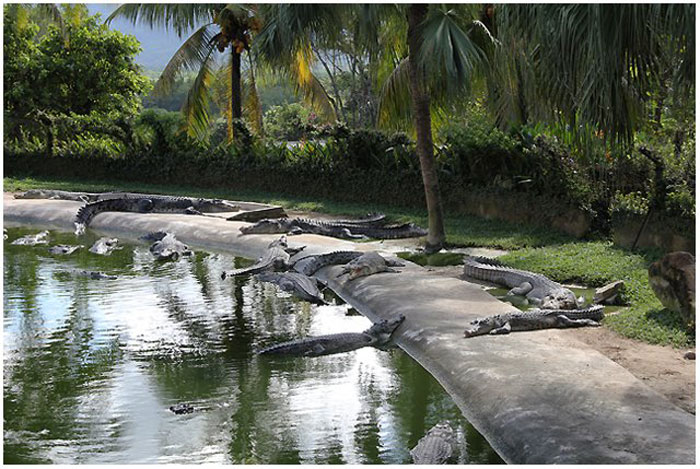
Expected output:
{"points": [[218, 27], [222, 28], [439, 61]]}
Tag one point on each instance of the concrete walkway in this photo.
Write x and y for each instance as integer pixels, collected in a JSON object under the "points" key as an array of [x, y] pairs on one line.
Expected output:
{"points": [[533, 396]]}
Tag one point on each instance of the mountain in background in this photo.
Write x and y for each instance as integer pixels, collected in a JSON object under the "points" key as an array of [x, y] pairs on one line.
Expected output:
{"points": [[158, 44]]}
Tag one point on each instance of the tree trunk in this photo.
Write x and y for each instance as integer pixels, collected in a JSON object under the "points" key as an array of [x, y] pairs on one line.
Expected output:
{"points": [[235, 84], [420, 103]]}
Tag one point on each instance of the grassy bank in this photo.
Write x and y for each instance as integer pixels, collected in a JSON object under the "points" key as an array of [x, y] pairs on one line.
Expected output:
{"points": [[562, 258]]}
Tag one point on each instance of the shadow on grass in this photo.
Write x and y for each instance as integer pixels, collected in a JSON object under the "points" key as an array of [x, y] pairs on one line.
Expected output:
{"points": [[671, 320]]}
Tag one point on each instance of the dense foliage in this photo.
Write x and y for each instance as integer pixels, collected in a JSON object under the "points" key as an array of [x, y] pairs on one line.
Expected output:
{"points": [[71, 86], [73, 92]]}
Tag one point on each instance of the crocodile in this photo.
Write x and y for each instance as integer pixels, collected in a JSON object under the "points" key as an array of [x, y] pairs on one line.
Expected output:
{"points": [[56, 195], [53, 194], [300, 285], [336, 229], [309, 265], [32, 240], [180, 409], [104, 246], [169, 248], [535, 319], [91, 274], [367, 264], [379, 336], [64, 249], [436, 447], [538, 289], [276, 259], [148, 204]]}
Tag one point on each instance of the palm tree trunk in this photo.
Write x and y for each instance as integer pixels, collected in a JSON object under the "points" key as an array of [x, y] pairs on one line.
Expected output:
{"points": [[235, 84], [420, 101]]}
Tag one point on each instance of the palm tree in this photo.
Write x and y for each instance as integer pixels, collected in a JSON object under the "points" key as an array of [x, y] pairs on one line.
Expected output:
{"points": [[441, 58], [217, 27]]}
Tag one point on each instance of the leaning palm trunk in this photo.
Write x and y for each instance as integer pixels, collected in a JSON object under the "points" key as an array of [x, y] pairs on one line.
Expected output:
{"points": [[420, 102]]}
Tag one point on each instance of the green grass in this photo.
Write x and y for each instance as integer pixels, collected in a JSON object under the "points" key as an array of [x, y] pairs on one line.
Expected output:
{"points": [[560, 257], [596, 263]]}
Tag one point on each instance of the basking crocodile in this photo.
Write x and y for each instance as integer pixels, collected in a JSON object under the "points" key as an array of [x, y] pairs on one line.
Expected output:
{"points": [[379, 335], [104, 246], [32, 240], [367, 264], [535, 319], [336, 229], [538, 289], [149, 204], [167, 247], [64, 249], [275, 259], [309, 265], [300, 285], [436, 447], [57, 195]]}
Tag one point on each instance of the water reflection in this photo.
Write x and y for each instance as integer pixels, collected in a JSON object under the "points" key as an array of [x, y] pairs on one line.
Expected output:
{"points": [[91, 368]]}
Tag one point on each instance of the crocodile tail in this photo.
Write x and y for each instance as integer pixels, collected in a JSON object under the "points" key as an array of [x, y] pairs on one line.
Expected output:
{"points": [[85, 215], [484, 260]]}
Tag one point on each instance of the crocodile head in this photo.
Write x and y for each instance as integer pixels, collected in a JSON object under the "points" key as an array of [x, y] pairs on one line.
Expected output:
{"points": [[381, 332], [266, 226], [560, 299], [483, 326]]}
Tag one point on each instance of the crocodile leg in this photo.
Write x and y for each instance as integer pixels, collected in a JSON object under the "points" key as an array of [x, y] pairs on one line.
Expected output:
{"points": [[505, 329], [563, 321], [521, 289]]}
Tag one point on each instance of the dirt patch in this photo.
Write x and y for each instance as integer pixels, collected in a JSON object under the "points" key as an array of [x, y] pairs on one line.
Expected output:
{"points": [[662, 368]]}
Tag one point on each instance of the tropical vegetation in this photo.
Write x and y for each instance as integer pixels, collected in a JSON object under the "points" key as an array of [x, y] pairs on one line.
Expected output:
{"points": [[550, 103]]}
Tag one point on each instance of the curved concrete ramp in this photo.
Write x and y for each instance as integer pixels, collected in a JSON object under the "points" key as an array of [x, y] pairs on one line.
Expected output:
{"points": [[533, 396]]}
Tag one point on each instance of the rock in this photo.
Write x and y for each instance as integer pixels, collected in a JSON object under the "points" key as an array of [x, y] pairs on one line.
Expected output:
{"points": [[608, 294], [689, 355], [673, 280]]}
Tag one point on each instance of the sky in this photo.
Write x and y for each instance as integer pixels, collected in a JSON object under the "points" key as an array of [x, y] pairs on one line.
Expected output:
{"points": [[158, 44]]}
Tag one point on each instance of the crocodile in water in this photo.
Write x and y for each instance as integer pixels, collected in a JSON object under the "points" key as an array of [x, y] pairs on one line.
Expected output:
{"points": [[379, 335], [32, 240], [64, 249], [436, 447], [167, 246], [538, 289], [104, 246], [535, 319]]}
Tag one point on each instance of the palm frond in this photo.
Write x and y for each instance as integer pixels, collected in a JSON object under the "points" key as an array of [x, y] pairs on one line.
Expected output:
{"points": [[447, 52], [309, 86], [179, 17], [190, 56], [196, 106], [395, 99]]}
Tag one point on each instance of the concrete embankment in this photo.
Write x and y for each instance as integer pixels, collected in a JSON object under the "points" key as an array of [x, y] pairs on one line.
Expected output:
{"points": [[534, 397]]}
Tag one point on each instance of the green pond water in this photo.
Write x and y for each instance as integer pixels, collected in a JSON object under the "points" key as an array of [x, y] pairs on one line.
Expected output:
{"points": [[91, 367]]}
